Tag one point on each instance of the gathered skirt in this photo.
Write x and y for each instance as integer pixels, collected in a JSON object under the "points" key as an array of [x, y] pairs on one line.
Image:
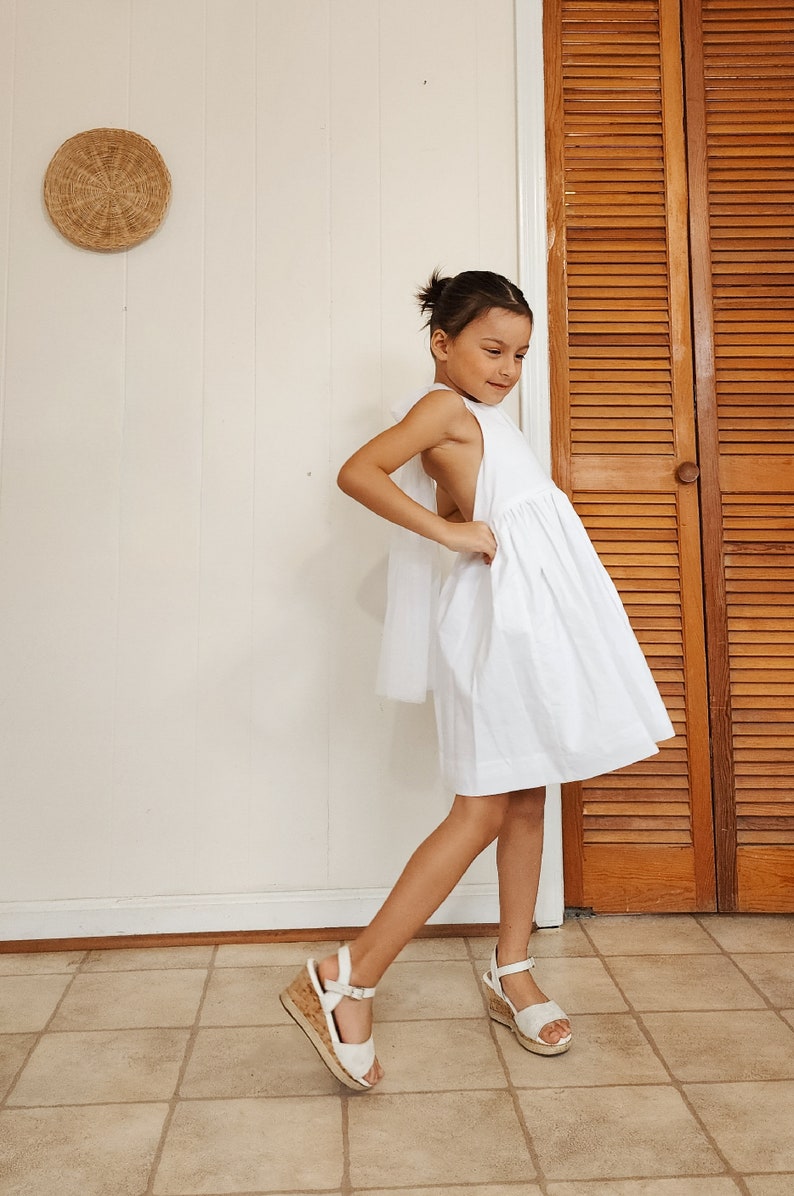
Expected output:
{"points": [[538, 676]]}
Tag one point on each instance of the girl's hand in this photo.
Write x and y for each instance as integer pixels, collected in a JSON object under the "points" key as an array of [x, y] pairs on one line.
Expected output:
{"points": [[471, 537]]}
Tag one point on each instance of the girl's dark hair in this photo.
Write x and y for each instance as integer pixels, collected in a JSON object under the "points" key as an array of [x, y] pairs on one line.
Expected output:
{"points": [[452, 303]]}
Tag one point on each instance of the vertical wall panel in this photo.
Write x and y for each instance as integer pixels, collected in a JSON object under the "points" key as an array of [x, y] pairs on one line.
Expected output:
{"points": [[223, 748], [58, 519], [154, 825], [365, 733], [7, 48], [494, 34], [429, 168], [291, 616]]}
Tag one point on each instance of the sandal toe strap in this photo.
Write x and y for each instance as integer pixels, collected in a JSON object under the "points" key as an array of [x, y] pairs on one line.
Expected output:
{"points": [[356, 1057], [531, 1020]]}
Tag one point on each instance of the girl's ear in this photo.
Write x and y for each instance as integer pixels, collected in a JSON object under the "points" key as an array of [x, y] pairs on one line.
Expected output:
{"points": [[439, 344]]}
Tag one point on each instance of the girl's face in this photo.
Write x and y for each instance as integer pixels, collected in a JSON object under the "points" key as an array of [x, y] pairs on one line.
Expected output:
{"points": [[483, 361]]}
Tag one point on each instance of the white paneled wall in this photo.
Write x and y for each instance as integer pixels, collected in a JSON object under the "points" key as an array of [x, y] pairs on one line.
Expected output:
{"points": [[189, 609]]}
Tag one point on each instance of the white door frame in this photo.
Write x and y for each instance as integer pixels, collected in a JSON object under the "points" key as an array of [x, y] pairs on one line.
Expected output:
{"points": [[534, 395]]}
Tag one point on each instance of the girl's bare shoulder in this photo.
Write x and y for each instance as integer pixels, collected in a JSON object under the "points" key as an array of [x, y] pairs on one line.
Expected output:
{"points": [[446, 410], [440, 400]]}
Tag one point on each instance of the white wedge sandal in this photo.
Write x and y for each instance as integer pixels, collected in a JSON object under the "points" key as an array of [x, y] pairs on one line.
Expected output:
{"points": [[527, 1023], [311, 1003]]}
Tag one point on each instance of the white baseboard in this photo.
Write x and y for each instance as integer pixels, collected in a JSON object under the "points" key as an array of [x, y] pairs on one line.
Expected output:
{"points": [[298, 910], [224, 912]]}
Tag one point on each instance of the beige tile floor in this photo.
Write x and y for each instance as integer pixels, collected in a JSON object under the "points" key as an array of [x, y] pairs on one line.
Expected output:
{"points": [[175, 1072]]}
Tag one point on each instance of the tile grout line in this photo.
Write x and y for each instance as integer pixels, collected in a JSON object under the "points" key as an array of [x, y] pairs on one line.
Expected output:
{"points": [[732, 957], [45, 1028], [540, 1178], [345, 1182], [175, 1099], [675, 1083]]}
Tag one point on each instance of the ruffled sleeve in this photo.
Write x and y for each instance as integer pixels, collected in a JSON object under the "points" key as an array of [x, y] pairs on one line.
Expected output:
{"points": [[405, 670]]}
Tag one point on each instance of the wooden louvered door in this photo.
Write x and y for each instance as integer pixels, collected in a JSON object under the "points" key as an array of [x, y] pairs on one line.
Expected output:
{"points": [[633, 328], [624, 426], [740, 90]]}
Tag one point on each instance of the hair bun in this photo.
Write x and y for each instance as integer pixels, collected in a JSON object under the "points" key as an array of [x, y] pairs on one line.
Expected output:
{"points": [[428, 296], [453, 303]]}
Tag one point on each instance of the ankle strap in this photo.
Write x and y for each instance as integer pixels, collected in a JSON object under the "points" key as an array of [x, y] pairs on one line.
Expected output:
{"points": [[348, 990], [342, 987], [523, 965]]}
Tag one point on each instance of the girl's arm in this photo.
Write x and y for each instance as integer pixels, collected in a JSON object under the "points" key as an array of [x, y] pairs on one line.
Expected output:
{"points": [[366, 475]]}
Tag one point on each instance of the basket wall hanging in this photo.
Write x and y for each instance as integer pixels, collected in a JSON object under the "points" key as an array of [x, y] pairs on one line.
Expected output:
{"points": [[107, 189]]}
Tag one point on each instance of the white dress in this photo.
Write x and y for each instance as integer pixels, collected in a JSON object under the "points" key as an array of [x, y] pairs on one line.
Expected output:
{"points": [[536, 672]]}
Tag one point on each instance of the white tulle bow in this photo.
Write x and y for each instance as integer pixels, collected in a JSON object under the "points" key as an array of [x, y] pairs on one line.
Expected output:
{"points": [[405, 671]]}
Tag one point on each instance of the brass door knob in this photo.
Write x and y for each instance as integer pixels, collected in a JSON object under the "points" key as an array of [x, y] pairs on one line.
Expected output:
{"points": [[687, 472]]}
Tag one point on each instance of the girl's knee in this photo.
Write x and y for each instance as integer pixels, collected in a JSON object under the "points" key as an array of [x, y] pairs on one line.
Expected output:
{"points": [[528, 803], [484, 815]]}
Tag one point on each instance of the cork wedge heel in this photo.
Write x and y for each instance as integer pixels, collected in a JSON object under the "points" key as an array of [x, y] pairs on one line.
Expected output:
{"points": [[310, 1002], [527, 1023]]}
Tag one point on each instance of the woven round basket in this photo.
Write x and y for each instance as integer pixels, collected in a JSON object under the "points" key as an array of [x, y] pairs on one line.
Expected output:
{"points": [[107, 189]]}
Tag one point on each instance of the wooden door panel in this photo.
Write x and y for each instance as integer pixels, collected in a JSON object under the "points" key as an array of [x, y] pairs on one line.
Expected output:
{"points": [[759, 571], [622, 413], [646, 845], [740, 93], [623, 420]]}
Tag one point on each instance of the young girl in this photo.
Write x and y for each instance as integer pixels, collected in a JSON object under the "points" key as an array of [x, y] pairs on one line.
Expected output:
{"points": [[537, 676]]}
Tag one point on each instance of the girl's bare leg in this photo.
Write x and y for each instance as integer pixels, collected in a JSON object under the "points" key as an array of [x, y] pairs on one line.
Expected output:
{"points": [[427, 879], [518, 855]]}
